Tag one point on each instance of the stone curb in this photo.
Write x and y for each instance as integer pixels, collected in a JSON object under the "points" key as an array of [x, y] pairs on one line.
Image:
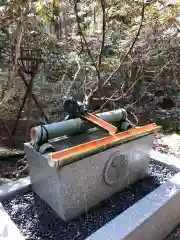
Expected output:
{"points": [[8, 190], [171, 161], [8, 229], [154, 216]]}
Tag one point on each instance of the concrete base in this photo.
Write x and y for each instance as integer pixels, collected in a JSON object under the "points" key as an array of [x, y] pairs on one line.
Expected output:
{"points": [[152, 218], [76, 187], [8, 230]]}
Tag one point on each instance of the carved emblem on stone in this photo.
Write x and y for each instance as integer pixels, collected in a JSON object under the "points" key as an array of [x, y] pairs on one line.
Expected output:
{"points": [[116, 168]]}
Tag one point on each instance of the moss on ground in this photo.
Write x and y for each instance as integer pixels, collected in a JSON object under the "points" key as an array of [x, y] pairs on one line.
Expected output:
{"points": [[11, 153]]}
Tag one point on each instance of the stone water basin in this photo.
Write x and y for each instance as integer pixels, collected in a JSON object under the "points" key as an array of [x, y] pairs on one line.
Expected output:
{"points": [[36, 220]]}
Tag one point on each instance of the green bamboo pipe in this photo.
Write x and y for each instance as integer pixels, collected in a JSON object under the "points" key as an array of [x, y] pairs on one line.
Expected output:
{"points": [[50, 131]]}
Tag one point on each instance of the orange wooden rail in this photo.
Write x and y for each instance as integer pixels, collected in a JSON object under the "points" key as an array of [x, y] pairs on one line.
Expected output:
{"points": [[101, 123], [92, 145]]}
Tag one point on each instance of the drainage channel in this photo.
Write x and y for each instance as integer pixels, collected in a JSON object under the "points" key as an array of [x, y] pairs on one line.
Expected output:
{"points": [[38, 221]]}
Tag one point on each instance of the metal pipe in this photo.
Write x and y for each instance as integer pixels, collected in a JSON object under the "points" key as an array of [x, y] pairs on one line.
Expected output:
{"points": [[125, 125], [54, 130]]}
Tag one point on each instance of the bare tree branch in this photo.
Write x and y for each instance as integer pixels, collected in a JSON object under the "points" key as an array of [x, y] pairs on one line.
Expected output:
{"points": [[82, 35], [175, 78], [130, 88], [103, 41], [75, 77], [124, 58], [130, 49]]}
